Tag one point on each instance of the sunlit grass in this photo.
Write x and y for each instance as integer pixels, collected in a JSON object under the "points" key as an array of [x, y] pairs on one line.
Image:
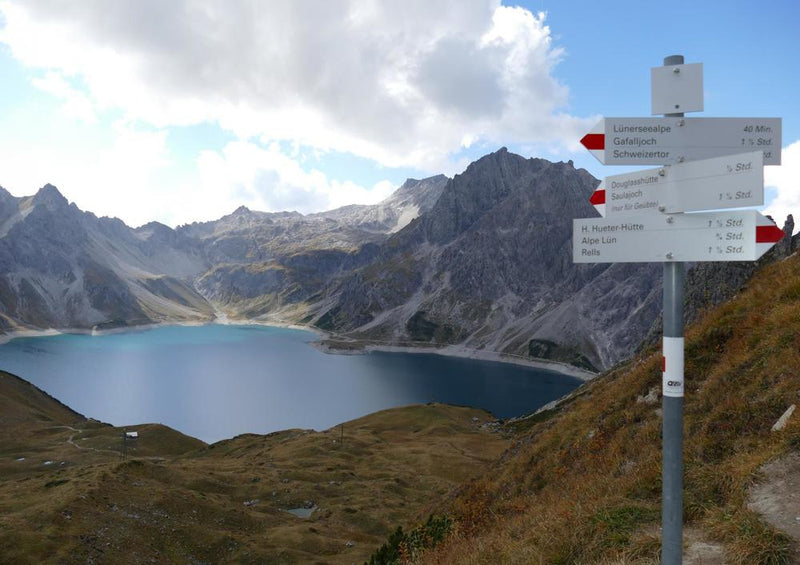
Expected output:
{"points": [[67, 495], [583, 484]]}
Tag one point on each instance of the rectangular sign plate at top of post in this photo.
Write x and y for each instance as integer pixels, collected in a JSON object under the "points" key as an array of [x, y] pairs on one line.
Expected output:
{"points": [[676, 88], [735, 181], [742, 235], [664, 141]]}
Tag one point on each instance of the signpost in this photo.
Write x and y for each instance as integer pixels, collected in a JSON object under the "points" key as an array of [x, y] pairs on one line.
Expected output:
{"points": [[706, 164], [662, 141], [715, 236], [734, 181]]}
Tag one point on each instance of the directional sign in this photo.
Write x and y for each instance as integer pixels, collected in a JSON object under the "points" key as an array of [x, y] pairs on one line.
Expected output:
{"points": [[735, 181], [663, 141], [714, 236]]}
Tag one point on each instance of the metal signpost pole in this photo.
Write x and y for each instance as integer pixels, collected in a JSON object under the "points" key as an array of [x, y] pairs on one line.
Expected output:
{"points": [[672, 431], [705, 164]]}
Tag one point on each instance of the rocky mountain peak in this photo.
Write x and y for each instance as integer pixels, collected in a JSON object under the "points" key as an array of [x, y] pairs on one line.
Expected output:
{"points": [[154, 230], [411, 186], [490, 266], [484, 184], [8, 205], [5, 196], [50, 197]]}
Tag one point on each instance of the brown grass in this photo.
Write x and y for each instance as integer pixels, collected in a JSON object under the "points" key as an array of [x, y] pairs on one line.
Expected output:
{"points": [[177, 500], [584, 485]]}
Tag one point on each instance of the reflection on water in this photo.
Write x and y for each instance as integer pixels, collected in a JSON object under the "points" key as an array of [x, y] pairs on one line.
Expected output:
{"points": [[29, 348], [217, 381]]}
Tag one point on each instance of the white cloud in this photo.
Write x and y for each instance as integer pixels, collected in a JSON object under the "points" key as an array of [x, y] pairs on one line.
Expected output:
{"points": [[131, 174], [76, 103], [269, 180], [785, 180], [115, 176], [403, 83]]}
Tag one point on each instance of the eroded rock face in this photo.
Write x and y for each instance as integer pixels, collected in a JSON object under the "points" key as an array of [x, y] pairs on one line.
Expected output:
{"points": [[64, 268], [490, 266]]}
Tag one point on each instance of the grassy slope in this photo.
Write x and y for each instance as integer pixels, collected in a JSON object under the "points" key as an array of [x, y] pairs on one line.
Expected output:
{"points": [[178, 500], [583, 484]]}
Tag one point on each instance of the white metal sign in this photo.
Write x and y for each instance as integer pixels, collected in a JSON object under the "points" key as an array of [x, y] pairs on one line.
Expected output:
{"points": [[663, 141], [715, 236], [676, 88], [735, 181]]}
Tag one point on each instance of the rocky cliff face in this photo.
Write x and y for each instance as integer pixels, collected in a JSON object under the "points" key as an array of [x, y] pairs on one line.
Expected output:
{"points": [[271, 266], [60, 267], [64, 268], [490, 267]]}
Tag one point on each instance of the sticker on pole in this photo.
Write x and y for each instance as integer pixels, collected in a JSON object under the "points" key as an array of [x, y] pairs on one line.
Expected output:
{"points": [[673, 367]]}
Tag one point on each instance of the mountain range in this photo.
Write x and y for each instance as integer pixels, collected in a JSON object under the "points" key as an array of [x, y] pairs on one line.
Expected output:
{"points": [[481, 261]]}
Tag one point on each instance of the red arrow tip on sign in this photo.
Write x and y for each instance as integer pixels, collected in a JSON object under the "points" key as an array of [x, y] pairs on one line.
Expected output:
{"points": [[598, 197], [769, 234], [594, 141]]}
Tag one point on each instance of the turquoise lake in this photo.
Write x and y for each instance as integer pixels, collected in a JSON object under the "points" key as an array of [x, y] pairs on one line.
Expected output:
{"points": [[217, 381]]}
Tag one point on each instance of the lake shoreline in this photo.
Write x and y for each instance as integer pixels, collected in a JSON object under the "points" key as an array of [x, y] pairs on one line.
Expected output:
{"points": [[460, 352], [50, 332], [251, 378], [324, 343]]}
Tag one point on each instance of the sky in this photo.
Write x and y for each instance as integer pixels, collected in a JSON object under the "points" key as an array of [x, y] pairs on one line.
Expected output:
{"points": [[184, 110]]}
